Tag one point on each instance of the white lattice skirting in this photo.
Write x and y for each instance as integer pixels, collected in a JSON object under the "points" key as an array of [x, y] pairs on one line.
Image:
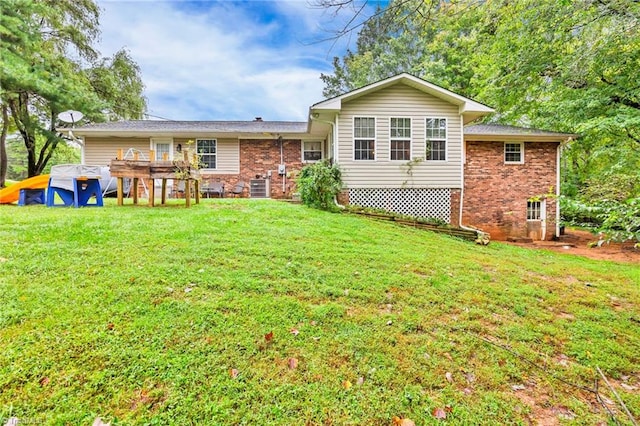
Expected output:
{"points": [[419, 202]]}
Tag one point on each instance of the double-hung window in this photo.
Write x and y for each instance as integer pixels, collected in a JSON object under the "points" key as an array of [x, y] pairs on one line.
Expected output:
{"points": [[436, 131], [364, 138], [400, 139], [162, 149], [208, 152], [311, 151], [514, 153]]}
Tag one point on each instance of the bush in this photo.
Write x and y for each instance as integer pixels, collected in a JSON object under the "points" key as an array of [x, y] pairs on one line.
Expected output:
{"points": [[577, 213], [319, 184], [620, 220]]}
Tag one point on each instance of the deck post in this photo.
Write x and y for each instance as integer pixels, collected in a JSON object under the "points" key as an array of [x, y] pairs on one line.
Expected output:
{"points": [[152, 195], [134, 188], [164, 191], [120, 190]]}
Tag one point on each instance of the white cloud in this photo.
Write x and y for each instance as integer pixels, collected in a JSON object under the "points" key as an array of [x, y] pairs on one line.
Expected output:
{"points": [[220, 60]]}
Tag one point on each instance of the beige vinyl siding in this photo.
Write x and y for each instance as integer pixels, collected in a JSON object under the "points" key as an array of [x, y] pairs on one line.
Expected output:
{"points": [[100, 151], [227, 154], [400, 101]]}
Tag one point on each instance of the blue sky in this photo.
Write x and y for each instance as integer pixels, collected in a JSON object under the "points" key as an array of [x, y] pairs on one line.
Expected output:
{"points": [[226, 60]]}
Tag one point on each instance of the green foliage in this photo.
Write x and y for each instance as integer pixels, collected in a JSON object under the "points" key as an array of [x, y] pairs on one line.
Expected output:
{"points": [[578, 213], [46, 47], [319, 184], [90, 327], [575, 70], [117, 81], [620, 219]]}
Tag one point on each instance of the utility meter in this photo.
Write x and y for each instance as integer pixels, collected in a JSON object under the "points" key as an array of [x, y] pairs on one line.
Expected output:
{"points": [[282, 169]]}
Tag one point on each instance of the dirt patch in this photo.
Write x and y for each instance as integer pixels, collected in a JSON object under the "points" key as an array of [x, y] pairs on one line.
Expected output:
{"points": [[578, 242]]}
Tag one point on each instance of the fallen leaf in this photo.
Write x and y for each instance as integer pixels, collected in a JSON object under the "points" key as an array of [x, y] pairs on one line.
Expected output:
{"points": [[389, 322], [44, 381], [110, 326], [518, 387], [269, 336], [293, 363], [313, 323], [397, 421], [448, 356], [360, 381], [470, 377], [3, 259], [628, 387], [295, 331], [12, 421], [449, 377], [346, 384], [98, 422], [234, 373], [467, 391], [439, 413]]}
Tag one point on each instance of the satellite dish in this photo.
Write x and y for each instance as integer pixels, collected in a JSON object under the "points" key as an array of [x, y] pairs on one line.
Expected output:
{"points": [[70, 116]]}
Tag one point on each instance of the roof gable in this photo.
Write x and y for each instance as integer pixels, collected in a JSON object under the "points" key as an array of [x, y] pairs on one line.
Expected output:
{"points": [[469, 108]]}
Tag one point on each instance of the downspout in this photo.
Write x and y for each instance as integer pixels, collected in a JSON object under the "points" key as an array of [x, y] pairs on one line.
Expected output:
{"points": [[558, 156], [284, 175], [335, 144]]}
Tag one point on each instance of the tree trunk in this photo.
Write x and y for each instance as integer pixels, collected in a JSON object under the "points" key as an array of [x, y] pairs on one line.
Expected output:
{"points": [[20, 112], [3, 146]]}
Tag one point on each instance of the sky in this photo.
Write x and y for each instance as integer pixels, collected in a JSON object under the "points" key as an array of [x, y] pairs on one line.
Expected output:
{"points": [[226, 60]]}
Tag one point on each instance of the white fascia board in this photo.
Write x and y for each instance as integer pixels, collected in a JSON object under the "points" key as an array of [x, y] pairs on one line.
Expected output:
{"points": [[466, 105]]}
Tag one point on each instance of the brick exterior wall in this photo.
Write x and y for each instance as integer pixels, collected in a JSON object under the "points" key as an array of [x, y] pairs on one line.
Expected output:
{"points": [[496, 194], [258, 158]]}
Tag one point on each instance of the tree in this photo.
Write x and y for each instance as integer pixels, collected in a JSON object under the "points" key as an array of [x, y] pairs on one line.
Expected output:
{"points": [[46, 46], [567, 65], [117, 81], [574, 70], [3, 145]]}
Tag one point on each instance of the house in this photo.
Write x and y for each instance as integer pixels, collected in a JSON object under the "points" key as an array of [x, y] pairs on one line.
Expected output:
{"points": [[403, 144]]}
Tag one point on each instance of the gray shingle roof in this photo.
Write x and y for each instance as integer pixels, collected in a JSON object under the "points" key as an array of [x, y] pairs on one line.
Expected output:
{"points": [[197, 126], [504, 130]]}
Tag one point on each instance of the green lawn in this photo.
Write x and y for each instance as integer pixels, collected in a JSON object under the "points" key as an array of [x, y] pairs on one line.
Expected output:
{"points": [[159, 316]]}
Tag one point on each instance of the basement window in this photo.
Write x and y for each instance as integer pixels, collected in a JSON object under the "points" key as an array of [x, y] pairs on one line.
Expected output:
{"points": [[533, 210], [514, 153]]}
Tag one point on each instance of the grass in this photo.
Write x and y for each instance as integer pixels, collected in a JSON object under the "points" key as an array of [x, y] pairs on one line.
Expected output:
{"points": [[159, 316]]}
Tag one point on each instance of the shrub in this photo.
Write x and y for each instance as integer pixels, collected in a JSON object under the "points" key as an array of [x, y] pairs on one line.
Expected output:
{"points": [[319, 184], [620, 219]]}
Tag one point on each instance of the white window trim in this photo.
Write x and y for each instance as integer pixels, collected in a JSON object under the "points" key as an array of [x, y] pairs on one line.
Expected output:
{"points": [[375, 138], [311, 141], [217, 151], [446, 139], [504, 153], [156, 141], [541, 206], [392, 139]]}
